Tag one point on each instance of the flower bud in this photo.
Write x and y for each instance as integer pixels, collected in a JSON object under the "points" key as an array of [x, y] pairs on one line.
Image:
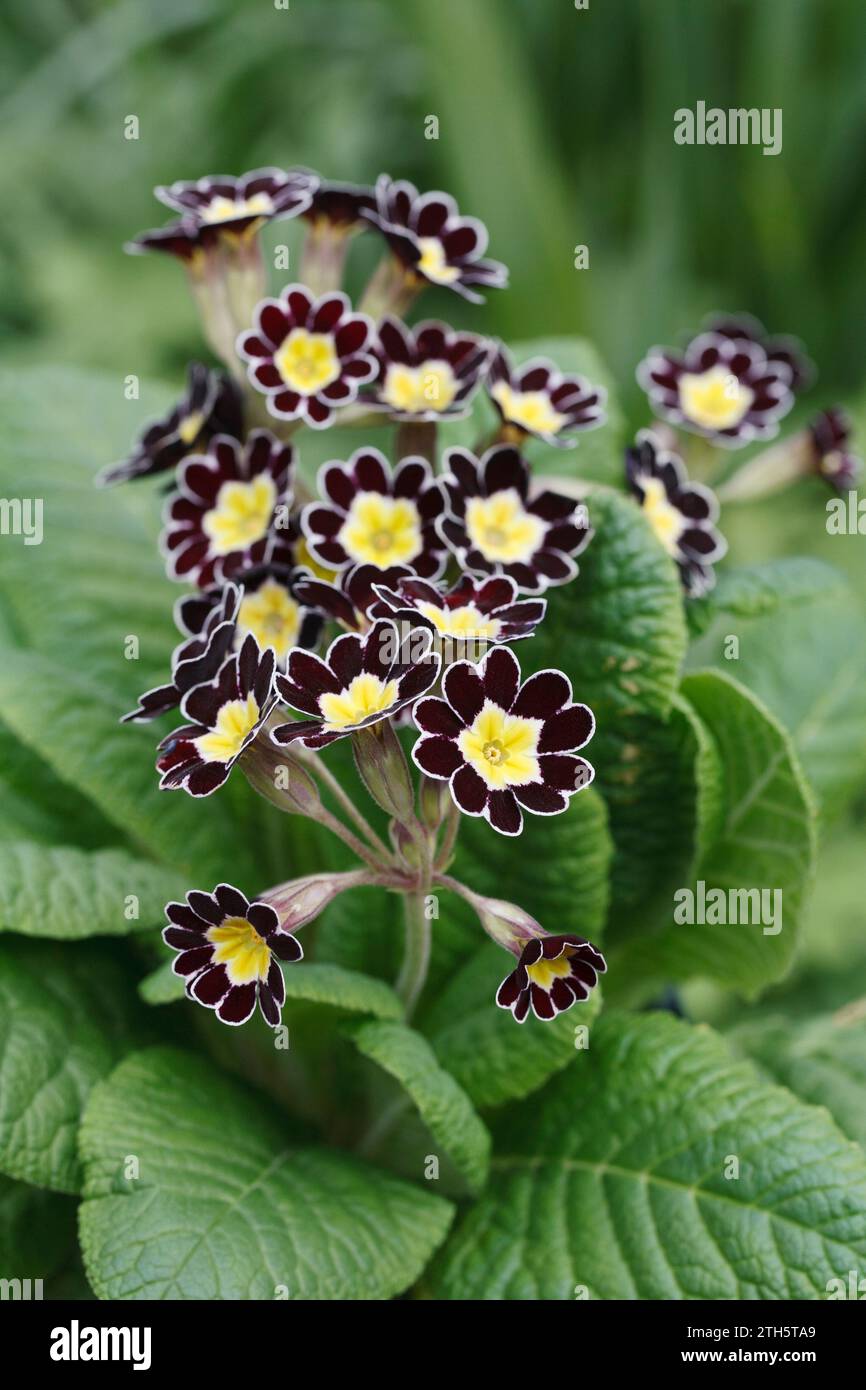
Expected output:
{"points": [[302, 899], [384, 771], [277, 775]]}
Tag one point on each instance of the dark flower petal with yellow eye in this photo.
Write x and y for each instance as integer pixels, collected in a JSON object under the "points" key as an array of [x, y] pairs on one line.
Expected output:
{"points": [[228, 509], [225, 716], [538, 399], [351, 598], [308, 356], [681, 513], [552, 973], [229, 952], [196, 660], [211, 405], [224, 205], [428, 372], [503, 746], [779, 348], [179, 239], [472, 613], [830, 434], [269, 608], [371, 515], [340, 207], [494, 526], [438, 246], [361, 680]]}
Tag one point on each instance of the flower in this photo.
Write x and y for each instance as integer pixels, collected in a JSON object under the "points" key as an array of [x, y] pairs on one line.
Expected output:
{"points": [[471, 612], [179, 239], [224, 516], [340, 208], [680, 513], [493, 527], [503, 745], [195, 661], [222, 205], [781, 348], [227, 714], [308, 355], [538, 399], [210, 405], [269, 608], [360, 681], [352, 597], [229, 951], [371, 516], [727, 389], [552, 973], [435, 244], [830, 433], [428, 372]]}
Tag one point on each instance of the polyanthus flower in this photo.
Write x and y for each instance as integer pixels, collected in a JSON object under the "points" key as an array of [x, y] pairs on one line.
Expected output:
{"points": [[196, 660], [229, 505], [351, 597], [360, 681], [308, 356], [552, 973], [494, 527], [779, 348], [340, 208], [229, 951], [370, 515], [434, 243], [269, 607], [224, 205], [681, 513], [210, 405], [428, 372], [727, 389], [830, 434], [226, 714], [538, 399], [503, 745], [472, 612]]}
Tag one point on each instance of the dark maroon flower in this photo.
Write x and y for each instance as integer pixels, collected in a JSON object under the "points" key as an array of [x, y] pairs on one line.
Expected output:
{"points": [[494, 527], [270, 608], [681, 513], [435, 244], [352, 597], [830, 434], [504, 746], [224, 205], [308, 356], [196, 660], [340, 207], [727, 389], [360, 681], [538, 399], [225, 716], [228, 509], [229, 951], [211, 405], [552, 973], [371, 516], [780, 348], [472, 613], [428, 372], [179, 239]]}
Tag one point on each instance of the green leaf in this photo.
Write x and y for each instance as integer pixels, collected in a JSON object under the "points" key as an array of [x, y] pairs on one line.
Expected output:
{"points": [[493, 1058], [222, 1208], [66, 1017], [822, 1060], [766, 842], [66, 894], [313, 983], [36, 804], [443, 1106], [361, 930], [613, 1180], [37, 1231]]}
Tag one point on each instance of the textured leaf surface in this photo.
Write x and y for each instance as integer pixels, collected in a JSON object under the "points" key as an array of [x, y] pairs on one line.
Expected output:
{"points": [[613, 1178], [315, 984], [223, 1209]]}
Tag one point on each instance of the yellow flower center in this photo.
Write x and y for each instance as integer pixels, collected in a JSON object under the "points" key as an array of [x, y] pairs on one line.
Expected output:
{"points": [[502, 748], [305, 559], [501, 527], [224, 209], [242, 514], [531, 410], [432, 386], [235, 721], [272, 616], [381, 531], [544, 972], [307, 362], [433, 262], [365, 695], [714, 399], [667, 523], [245, 955], [467, 622], [190, 427]]}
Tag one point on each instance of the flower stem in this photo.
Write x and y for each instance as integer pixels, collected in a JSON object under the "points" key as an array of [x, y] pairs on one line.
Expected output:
{"points": [[416, 951], [449, 838], [341, 796]]}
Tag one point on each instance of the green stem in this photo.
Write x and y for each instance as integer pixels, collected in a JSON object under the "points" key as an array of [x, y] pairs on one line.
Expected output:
{"points": [[341, 796], [416, 950]]}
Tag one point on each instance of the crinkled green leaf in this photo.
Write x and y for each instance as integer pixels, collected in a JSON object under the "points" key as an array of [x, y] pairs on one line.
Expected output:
{"points": [[223, 1208], [35, 804], [611, 1183], [314, 983]]}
